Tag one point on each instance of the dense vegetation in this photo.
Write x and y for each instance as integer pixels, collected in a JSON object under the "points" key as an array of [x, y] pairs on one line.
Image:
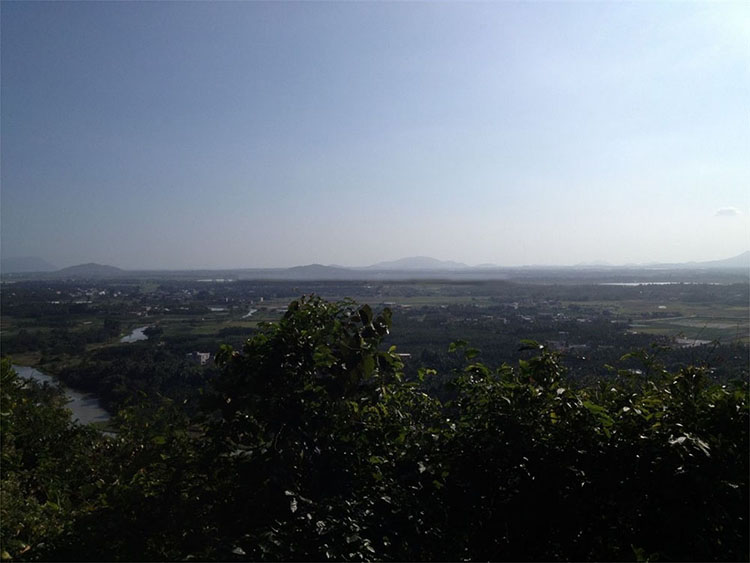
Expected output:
{"points": [[72, 328], [312, 444]]}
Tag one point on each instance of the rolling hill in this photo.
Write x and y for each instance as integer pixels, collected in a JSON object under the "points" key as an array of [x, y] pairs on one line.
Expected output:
{"points": [[90, 270]]}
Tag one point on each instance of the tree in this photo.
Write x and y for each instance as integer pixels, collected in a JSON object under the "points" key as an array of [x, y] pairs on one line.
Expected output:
{"points": [[312, 445]]}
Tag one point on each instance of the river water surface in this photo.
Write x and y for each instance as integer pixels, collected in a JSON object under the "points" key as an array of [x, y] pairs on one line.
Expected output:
{"points": [[86, 408], [135, 336]]}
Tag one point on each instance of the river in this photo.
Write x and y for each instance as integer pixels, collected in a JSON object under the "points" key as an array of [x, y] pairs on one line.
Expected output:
{"points": [[135, 336], [636, 284], [86, 408]]}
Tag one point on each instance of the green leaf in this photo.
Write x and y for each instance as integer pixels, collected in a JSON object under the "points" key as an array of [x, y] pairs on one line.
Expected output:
{"points": [[471, 353], [365, 314], [456, 344], [368, 366], [600, 412]]}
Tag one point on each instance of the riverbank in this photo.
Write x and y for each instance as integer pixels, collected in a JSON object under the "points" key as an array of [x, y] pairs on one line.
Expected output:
{"points": [[85, 407]]}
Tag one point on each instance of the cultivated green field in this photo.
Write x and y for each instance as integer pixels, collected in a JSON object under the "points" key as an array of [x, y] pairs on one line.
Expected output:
{"points": [[703, 321]]}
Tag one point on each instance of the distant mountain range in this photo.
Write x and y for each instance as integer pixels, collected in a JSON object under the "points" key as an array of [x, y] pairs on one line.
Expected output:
{"points": [[90, 270], [417, 267], [423, 263], [739, 261], [25, 264]]}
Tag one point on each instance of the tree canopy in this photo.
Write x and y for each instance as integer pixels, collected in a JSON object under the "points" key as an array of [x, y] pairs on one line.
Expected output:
{"points": [[311, 444]]}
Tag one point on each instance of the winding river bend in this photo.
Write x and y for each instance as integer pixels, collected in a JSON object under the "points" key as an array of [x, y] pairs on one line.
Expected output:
{"points": [[135, 336], [86, 408]]}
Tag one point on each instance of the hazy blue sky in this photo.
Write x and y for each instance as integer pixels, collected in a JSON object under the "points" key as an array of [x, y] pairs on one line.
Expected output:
{"points": [[175, 135]]}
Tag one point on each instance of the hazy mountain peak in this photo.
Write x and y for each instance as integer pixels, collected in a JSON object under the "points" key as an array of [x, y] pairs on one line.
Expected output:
{"points": [[739, 261], [90, 269]]}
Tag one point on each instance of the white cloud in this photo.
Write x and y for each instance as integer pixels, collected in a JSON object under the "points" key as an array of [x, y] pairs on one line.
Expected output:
{"points": [[728, 212]]}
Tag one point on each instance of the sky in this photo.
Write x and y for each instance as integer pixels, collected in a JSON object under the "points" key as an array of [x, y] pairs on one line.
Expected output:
{"points": [[247, 134]]}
